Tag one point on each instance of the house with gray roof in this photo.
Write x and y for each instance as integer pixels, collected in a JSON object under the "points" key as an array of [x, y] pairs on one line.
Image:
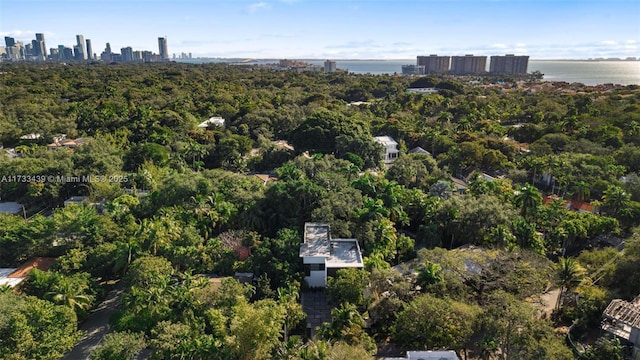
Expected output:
{"points": [[322, 256]]}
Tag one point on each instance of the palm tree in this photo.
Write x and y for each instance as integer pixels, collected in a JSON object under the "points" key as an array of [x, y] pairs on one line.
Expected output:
{"points": [[569, 124], [528, 199], [373, 209], [71, 294], [441, 189], [615, 199], [581, 190], [391, 195], [288, 298], [125, 254], [24, 150], [570, 273]]}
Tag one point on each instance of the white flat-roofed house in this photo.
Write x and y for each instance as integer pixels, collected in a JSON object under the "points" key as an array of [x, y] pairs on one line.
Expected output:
{"points": [[390, 146], [322, 256]]}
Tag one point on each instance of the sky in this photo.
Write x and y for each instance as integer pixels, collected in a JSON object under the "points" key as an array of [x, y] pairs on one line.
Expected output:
{"points": [[336, 29]]}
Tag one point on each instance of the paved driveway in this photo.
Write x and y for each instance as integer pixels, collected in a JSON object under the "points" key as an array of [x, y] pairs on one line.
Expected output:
{"points": [[96, 326]]}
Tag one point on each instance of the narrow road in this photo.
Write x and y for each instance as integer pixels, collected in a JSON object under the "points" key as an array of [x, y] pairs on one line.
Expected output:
{"points": [[96, 326], [548, 303]]}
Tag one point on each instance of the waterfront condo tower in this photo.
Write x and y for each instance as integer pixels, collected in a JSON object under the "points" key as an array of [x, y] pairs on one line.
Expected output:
{"points": [[329, 66], [434, 63], [163, 48], [468, 65], [509, 64]]}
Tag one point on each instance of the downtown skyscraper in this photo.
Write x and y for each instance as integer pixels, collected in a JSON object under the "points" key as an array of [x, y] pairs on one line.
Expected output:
{"points": [[163, 49], [39, 47], [35, 50], [89, 50], [80, 48]]}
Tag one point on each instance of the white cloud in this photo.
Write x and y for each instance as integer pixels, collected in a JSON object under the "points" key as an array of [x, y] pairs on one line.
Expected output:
{"points": [[258, 6], [20, 34]]}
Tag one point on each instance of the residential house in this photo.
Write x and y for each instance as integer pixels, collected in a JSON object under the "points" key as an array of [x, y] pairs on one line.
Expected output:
{"points": [[62, 143], [459, 185], [390, 146], [418, 150], [14, 276], [428, 355], [322, 256], [622, 319], [574, 205]]}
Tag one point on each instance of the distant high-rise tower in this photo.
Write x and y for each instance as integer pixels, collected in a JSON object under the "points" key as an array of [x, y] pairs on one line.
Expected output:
{"points": [[509, 64], [163, 48], [89, 50], [127, 54], [9, 41], [434, 63], [412, 69], [82, 50], [106, 54], [468, 64], [78, 53], [329, 66], [42, 49]]}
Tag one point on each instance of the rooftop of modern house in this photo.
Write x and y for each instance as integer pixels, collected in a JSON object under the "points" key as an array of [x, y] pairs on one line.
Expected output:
{"points": [[338, 252]]}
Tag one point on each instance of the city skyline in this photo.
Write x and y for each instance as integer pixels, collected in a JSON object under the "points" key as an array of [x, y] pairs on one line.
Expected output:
{"points": [[373, 29]]}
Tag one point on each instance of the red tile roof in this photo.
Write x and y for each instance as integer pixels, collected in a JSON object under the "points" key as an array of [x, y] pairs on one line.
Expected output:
{"points": [[40, 263]]}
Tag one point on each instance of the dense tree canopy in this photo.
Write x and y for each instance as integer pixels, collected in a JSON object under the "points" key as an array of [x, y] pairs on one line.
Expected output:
{"points": [[549, 173]]}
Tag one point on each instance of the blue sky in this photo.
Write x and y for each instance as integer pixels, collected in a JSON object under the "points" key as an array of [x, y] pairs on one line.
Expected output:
{"points": [[338, 29]]}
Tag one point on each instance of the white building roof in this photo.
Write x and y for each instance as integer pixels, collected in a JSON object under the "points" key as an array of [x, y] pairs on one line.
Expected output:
{"points": [[427, 355], [32, 136], [432, 355], [316, 240], [422, 90], [339, 253], [215, 120], [385, 140], [6, 280], [344, 253]]}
